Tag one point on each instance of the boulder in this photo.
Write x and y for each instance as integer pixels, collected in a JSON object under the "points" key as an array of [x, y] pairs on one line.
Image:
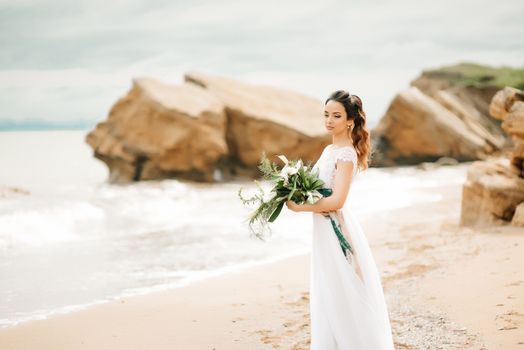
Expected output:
{"points": [[459, 103], [7, 192], [508, 105], [495, 188], [518, 218], [491, 193], [266, 119], [160, 131], [447, 115], [209, 128], [506, 101], [417, 128]]}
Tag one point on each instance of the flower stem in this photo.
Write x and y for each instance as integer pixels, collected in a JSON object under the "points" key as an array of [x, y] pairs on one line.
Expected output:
{"points": [[344, 245]]}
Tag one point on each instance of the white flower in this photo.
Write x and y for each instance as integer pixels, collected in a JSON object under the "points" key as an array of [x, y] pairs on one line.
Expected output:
{"points": [[313, 196], [288, 170], [283, 158], [283, 174], [292, 170]]}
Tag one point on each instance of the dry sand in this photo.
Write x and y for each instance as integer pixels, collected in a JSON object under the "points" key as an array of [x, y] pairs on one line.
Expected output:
{"points": [[446, 287]]}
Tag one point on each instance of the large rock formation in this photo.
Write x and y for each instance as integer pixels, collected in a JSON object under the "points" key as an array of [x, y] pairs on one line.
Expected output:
{"points": [[160, 131], [263, 118], [490, 194], [207, 129], [417, 128], [508, 105], [440, 115], [494, 190]]}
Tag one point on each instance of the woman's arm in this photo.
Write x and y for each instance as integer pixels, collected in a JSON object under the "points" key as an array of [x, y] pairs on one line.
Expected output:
{"points": [[343, 176]]}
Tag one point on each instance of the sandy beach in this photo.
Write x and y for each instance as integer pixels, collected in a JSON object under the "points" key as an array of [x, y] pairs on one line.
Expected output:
{"points": [[447, 287], [143, 145]]}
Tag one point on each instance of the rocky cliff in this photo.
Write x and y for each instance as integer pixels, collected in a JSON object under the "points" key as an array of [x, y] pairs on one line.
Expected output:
{"points": [[494, 190], [444, 113], [209, 128]]}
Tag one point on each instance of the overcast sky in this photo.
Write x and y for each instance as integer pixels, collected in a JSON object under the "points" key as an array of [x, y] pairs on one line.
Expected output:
{"points": [[70, 60]]}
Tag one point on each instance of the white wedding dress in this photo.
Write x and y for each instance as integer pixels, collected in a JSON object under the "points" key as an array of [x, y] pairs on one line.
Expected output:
{"points": [[347, 313]]}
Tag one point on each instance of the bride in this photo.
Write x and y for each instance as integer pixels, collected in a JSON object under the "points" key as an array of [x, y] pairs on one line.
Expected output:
{"points": [[347, 306]]}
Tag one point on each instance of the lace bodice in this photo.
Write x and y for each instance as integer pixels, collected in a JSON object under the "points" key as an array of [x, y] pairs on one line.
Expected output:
{"points": [[326, 163]]}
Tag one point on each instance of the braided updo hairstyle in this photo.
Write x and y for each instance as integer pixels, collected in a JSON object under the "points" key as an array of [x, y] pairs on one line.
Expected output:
{"points": [[359, 133]]}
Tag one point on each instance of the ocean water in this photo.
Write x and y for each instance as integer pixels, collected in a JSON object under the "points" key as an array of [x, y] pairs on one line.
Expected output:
{"points": [[69, 239]]}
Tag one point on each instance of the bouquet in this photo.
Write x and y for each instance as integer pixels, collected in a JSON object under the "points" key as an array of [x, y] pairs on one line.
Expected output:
{"points": [[295, 181]]}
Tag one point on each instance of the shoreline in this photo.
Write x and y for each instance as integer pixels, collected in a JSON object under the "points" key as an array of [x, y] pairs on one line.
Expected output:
{"points": [[146, 321], [145, 291], [446, 286]]}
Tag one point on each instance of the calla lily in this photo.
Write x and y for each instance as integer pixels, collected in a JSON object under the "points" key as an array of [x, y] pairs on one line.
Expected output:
{"points": [[288, 170], [283, 158], [291, 170], [313, 196], [283, 174], [294, 180]]}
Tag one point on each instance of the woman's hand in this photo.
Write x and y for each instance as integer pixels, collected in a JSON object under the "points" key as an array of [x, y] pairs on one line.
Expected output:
{"points": [[293, 206], [299, 207]]}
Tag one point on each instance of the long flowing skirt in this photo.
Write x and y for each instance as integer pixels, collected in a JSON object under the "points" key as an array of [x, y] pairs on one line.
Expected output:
{"points": [[347, 312]]}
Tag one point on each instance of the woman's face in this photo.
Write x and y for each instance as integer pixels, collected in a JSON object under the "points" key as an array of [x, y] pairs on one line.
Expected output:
{"points": [[335, 117]]}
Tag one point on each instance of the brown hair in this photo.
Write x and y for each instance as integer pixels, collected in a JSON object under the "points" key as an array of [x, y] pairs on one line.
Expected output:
{"points": [[360, 134]]}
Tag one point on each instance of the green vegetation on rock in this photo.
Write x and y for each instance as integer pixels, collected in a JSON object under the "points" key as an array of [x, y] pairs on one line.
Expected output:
{"points": [[472, 74]]}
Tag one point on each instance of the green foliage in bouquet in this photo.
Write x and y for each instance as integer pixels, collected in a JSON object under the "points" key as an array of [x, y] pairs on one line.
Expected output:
{"points": [[295, 181]]}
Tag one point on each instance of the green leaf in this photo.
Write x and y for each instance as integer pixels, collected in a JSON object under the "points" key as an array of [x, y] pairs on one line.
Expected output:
{"points": [[277, 211], [293, 189], [306, 182], [325, 192]]}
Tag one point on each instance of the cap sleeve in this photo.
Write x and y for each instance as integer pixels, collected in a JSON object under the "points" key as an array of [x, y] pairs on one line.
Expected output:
{"points": [[347, 154]]}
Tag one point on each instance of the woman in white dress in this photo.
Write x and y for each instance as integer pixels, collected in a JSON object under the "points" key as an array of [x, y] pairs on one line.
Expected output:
{"points": [[347, 306]]}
